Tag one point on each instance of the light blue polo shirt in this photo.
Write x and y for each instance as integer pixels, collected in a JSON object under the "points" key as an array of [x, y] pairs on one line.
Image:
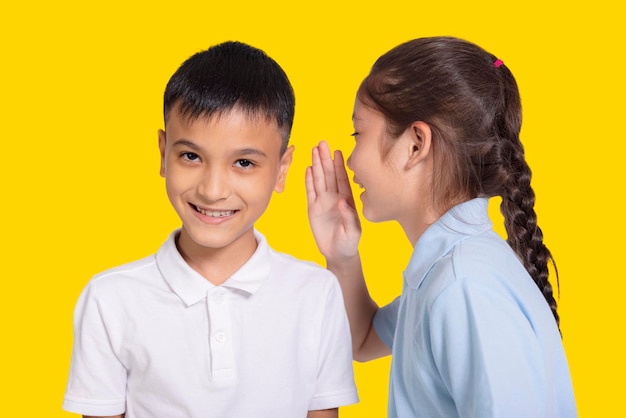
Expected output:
{"points": [[471, 334]]}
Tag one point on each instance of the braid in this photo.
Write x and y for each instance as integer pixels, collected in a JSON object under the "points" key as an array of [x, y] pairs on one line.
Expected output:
{"points": [[524, 235], [518, 198]]}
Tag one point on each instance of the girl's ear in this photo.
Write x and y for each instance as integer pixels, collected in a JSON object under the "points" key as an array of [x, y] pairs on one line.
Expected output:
{"points": [[418, 143]]}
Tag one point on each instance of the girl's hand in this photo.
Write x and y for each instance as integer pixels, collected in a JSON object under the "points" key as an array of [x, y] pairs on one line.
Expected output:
{"points": [[332, 213]]}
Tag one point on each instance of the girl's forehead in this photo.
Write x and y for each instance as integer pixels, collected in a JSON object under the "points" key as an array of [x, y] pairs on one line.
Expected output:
{"points": [[365, 112]]}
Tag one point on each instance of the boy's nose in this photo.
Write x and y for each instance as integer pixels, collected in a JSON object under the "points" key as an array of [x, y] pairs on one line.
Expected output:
{"points": [[215, 185]]}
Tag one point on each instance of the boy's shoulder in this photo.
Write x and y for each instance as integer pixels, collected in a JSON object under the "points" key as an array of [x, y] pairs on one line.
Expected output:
{"points": [[135, 271], [303, 285], [297, 263], [287, 265], [291, 268], [128, 269]]}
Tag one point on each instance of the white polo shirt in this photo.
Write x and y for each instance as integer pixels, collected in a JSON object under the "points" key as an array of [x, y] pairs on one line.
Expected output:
{"points": [[153, 338]]}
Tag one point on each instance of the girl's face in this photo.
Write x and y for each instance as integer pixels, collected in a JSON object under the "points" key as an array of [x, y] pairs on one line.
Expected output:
{"points": [[380, 176]]}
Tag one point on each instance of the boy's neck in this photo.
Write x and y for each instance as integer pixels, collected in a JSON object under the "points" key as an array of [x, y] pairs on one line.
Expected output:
{"points": [[216, 264]]}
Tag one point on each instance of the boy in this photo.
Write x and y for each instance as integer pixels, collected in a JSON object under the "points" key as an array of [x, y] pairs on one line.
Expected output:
{"points": [[216, 324]]}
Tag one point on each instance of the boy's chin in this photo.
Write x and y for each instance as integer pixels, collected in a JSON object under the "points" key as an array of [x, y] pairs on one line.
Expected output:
{"points": [[214, 239]]}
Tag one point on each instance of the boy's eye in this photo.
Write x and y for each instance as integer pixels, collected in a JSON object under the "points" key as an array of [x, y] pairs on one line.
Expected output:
{"points": [[190, 156], [244, 163], [354, 134]]}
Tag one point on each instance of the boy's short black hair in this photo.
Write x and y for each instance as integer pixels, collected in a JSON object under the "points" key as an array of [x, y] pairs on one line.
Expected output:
{"points": [[232, 75]]}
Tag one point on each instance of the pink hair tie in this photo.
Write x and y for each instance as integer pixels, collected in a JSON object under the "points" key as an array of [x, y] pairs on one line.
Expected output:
{"points": [[498, 63]]}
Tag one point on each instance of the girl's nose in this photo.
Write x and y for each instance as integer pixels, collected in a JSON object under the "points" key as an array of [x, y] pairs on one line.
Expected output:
{"points": [[349, 162]]}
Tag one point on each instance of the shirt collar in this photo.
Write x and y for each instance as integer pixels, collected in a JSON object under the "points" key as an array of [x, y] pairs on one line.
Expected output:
{"points": [[192, 287], [462, 221]]}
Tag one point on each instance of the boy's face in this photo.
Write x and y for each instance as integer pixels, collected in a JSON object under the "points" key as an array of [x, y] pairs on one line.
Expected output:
{"points": [[220, 174]]}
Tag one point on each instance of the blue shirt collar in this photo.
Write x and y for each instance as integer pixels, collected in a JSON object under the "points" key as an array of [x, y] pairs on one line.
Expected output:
{"points": [[192, 287], [462, 221]]}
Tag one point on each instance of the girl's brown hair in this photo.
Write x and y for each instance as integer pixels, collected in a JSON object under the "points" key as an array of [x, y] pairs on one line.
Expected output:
{"points": [[471, 102]]}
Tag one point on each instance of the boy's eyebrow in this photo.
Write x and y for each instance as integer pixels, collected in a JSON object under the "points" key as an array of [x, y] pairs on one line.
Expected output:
{"points": [[236, 153], [185, 143], [249, 151]]}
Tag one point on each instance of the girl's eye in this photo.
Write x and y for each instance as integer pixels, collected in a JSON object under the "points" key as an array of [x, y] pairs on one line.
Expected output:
{"points": [[244, 163], [190, 156], [354, 134]]}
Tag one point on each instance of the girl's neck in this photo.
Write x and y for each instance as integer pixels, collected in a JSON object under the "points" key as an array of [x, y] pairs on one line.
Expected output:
{"points": [[416, 225]]}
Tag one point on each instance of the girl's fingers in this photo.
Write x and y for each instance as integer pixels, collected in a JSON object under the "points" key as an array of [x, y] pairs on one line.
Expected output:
{"points": [[328, 174], [317, 172], [328, 166], [350, 219], [343, 182], [310, 188]]}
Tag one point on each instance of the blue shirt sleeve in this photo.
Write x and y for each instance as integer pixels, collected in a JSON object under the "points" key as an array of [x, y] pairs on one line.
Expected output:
{"points": [[385, 322]]}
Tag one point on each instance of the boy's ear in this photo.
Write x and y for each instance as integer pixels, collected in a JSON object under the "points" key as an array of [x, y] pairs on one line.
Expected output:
{"points": [[418, 143], [162, 151], [285, 162]]}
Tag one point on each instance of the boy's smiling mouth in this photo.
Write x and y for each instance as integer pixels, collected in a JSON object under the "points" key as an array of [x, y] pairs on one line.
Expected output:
{"points": [[213, 212]]}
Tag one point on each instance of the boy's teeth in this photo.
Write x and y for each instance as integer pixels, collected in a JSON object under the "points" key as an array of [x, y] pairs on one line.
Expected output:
{"points": [[215, 213]]}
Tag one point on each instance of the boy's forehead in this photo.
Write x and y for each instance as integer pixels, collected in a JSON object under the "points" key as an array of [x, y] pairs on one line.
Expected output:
{"points": [[239, 122], [238, 117], [259, 118]]}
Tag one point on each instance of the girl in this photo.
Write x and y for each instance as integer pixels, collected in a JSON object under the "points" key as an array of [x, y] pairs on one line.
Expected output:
{"points": [[475, 331]]}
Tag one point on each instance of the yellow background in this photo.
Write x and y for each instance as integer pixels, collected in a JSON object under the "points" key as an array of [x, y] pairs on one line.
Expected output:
{"points": [[81, 93]]}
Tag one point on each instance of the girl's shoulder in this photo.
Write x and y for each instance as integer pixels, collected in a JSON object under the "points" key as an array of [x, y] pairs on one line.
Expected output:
{"points": [[483, 261]]}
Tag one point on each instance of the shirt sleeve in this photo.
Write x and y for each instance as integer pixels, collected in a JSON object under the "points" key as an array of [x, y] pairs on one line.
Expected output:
{"points": [[335, 385], [486, 352], [385, 322], [97, 379]]}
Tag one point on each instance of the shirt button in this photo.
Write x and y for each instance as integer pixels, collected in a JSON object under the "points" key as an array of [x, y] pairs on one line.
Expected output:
{"points": [[218, 298], [220, 337]]}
